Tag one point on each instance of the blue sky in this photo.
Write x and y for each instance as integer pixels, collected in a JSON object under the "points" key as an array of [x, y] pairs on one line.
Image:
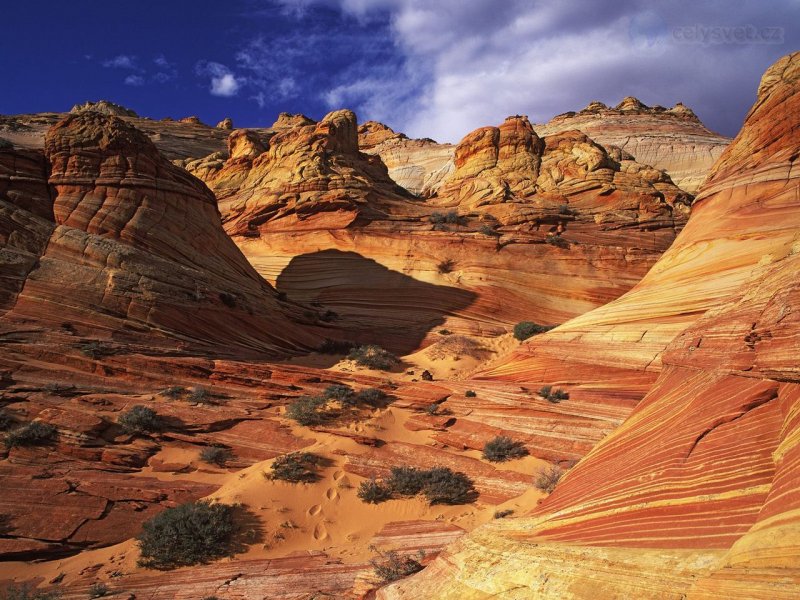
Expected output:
{"points": [[430, 68]]}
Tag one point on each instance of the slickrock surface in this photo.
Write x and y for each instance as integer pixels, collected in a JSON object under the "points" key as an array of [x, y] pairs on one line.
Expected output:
{"points": [[695, 495], [326, 225], [671, 139]]}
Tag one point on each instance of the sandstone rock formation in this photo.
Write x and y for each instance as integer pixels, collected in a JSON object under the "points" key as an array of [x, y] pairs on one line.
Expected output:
{"points": [[226, 123], [694, 496], [104, 107], [673, 140], [419, 166], [324, 223], [112, 239]]}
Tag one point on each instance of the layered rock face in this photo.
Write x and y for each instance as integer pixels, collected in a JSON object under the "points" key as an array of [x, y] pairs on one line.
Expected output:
{"points": [[110, 240], [673, 140], [325, 223], [419, 166], [695, 495]]}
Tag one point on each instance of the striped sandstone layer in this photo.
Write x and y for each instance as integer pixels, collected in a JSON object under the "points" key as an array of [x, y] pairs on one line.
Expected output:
{"points": [[696, 494]]}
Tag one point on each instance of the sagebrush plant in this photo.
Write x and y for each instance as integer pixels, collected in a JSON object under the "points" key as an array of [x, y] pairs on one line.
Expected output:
{"points": [[440, 485], [6, 419], [502, 514], [98, 590], [553, 395], [140, 419], [35, 433], [25, 592], [503, 448], [296, 467], [310, 410], [525, 329], [490, 231], [192, 533], [391, 565], [215, 455], [339, 391], [371, 396], [372, 492], [174, 392], [547, 478], [200, 395], [373, 357]]}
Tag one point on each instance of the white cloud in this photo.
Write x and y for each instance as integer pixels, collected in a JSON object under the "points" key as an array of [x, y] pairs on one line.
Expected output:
{"points": [[223, 82], [122, 61], [468, 64], [134, 80]]}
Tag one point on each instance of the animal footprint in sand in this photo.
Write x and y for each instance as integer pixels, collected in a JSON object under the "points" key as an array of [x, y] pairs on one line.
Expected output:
{"points": [[337, 475], [320, 533], [331, 494], [315, 510]]}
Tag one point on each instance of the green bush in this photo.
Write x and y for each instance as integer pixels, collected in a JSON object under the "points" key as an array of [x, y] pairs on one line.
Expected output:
{"points": [[553, 395], [503, 448], [372, 492], [406, 481], [547, 478], [490, 231], [98, 590], [140, 419], [557, 241], [188, 534], [35, 433], [391, 566], [525, 329], [444, 486], [25, 592], [373, 357], [215, 455], [200, 395], [309, 410], [338, 391], [296, 467], [371, 396], [174, 392]]}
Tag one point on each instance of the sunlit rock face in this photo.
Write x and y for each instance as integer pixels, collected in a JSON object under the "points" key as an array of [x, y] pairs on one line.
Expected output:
{"points": [[695, 495], [671, 139], [125, 246]]}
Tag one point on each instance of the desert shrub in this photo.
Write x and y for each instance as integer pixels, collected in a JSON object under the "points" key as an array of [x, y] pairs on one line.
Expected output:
{"points": [[503, 448], [342, 393], [140, 419], [444, 332], [446, 266], [547, 478], [372, 492], [406, 481], [502, 514], [564, 209], [35, 433], [296, 467], [451, 217], [470, 394], [330, 346], [373, 357], [525, 329], [553, 395], [200, 395], [174, 392], [391, 566], [98, 590], [188, 534], [309, 410], [490, 231], [432, 409], [557, 241], [6, 419], [215, 455], [328, 316], [371, 396], [25, 592], [445, 486]]}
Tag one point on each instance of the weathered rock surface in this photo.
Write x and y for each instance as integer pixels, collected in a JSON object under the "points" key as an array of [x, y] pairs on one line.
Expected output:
{"points": [[673, 140], [695, 495]]}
